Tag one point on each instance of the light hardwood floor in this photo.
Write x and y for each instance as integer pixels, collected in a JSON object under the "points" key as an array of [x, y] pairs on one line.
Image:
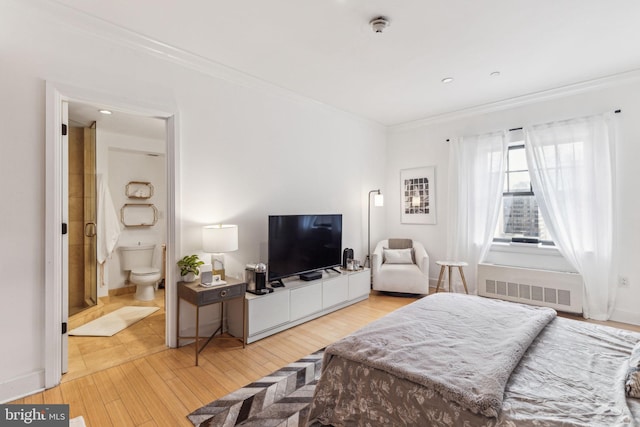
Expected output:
{"points": [[160, 389], [88, 355]]}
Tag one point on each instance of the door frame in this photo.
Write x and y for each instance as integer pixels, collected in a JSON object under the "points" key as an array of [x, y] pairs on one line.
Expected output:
{"points": [[56, 93]]}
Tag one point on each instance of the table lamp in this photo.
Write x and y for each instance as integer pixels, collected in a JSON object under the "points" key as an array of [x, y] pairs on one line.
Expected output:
{"points": [[217, 239]]}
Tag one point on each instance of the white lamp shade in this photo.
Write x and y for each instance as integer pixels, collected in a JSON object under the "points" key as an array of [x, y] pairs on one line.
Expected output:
{"points": [[378, 200], [220, 238]]}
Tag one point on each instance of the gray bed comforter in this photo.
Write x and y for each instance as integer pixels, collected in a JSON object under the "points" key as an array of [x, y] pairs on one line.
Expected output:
{"points": [[463, 347], [572, 374]]}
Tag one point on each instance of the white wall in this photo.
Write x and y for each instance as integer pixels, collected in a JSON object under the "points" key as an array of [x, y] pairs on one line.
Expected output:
{"points": [[246, 151], [121, 159], [425, 145]]}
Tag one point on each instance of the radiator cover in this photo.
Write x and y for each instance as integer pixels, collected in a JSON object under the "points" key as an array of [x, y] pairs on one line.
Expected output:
{"points": [[559, 290]]}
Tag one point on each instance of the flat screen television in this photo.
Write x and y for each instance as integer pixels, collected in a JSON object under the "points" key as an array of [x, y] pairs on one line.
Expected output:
{"points": [[301, 244]]}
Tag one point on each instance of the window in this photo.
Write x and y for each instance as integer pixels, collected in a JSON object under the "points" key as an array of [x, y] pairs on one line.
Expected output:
{"points": [[519, 219]]}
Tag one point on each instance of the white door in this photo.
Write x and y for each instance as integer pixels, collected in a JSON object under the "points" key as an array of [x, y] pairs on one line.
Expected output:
{"points": [[65, 234]]}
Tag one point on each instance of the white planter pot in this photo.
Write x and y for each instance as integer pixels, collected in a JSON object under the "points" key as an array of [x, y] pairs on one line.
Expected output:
{"points": [[189, 277]]}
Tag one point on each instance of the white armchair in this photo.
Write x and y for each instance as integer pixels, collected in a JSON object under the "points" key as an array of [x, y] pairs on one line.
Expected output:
{"points": [[400, 265]]}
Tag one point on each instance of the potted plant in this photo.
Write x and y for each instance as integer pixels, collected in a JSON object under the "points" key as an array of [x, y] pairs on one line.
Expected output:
{"points": [[189, 267]]}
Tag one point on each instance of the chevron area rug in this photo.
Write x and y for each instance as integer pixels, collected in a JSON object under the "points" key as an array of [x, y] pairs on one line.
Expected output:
{"points": [[281, 398]]}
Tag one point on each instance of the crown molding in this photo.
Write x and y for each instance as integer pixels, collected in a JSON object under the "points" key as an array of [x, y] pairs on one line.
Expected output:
{"points": [[97, 27], [94, 26], [560, 92]]}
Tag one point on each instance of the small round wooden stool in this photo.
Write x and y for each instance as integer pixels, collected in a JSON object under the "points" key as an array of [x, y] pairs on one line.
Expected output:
{"points": [[449, 264]]}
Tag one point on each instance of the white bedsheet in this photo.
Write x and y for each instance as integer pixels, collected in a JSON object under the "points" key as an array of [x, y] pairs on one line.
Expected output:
{"points": [[572, 375]]}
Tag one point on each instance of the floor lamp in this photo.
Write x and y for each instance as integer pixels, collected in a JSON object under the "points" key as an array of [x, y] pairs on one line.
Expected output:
{"points": [[378, 200]]}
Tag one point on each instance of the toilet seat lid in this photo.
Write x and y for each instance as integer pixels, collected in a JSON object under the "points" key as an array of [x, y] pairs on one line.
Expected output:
{"points": [[144, 271]]}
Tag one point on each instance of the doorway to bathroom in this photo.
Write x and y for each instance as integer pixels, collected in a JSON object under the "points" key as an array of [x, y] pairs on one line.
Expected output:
{"points": [[56, 326], [117, 196]]}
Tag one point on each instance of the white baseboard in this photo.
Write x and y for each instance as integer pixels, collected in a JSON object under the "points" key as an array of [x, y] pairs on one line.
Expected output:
{"points": [[17, 388], [630, 317]]}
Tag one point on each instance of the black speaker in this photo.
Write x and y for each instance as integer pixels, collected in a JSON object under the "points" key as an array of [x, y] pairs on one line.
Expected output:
{"points": [[346, 254]]}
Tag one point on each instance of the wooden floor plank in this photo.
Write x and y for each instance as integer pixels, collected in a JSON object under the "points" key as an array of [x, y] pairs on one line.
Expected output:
{"points": [[95, 407], [106, 388], [158, 390], [118, 415], [129, 397]]}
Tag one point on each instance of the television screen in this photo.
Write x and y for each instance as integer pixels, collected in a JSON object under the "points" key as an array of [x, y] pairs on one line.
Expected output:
{"points": [[303, 243]]}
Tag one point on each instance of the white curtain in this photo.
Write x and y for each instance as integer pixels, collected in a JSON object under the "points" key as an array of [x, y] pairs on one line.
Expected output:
{"points": [[476, 176], [570, 163]]}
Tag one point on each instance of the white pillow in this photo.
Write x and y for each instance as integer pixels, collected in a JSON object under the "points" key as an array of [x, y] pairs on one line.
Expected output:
{"points": [[397, 256]]}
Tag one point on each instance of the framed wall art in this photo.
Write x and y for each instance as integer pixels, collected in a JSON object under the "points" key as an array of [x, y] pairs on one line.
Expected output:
{"points": [[418, 196]]}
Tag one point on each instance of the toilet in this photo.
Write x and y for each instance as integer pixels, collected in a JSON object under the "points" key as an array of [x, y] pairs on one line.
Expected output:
{"points": [[138, 261]]}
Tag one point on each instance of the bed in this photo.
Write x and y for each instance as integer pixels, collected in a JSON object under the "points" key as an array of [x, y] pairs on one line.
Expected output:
{"points": [[460, 360]]}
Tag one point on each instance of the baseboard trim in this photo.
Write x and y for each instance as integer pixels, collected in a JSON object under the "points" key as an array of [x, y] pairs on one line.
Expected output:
{"points": [[624, 316], [122, 291], [20, 387]]}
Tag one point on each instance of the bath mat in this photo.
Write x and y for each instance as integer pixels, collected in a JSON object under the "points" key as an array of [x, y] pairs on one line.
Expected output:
{"points": [[77, 422], [281, 398], [112, 323]]}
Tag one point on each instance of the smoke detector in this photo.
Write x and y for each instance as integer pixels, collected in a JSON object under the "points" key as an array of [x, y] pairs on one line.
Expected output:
{"points": [[379, 24]]}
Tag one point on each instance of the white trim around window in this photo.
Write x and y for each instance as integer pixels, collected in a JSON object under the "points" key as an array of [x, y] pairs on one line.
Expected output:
{"points": [[527, 255]]}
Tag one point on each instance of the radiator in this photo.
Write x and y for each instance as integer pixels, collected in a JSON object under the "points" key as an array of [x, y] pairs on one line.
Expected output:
{"points": [[559, 290]]}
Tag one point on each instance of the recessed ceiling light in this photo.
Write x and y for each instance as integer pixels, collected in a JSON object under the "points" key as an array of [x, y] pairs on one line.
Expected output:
{"points": [[495, 74], [107, 112], [447, 80]]}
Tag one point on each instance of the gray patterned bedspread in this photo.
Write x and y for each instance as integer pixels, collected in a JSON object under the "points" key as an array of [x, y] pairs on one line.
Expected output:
{"points": [[571, 375]]}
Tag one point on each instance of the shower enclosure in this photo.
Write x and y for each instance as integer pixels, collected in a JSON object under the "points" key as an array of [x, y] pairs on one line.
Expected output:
{"points": [[82, 219]]}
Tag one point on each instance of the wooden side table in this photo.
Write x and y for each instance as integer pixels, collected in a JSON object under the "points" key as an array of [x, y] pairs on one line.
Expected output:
{"points": [[201, 296], [449, 265]]}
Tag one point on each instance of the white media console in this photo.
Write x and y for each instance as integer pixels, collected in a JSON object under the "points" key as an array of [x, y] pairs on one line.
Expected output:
{"points": [[297, 302]]}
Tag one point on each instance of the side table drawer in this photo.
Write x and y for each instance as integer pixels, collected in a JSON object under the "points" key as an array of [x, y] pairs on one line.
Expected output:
{"points": [[222, 293]]}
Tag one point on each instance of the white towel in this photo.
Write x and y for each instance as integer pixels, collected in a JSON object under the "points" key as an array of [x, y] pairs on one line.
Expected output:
{"points": [[108, 222]]}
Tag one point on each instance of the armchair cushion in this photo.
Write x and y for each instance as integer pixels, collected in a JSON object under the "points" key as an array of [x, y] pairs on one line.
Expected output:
{"points": [[397, 256], [400, 243]]}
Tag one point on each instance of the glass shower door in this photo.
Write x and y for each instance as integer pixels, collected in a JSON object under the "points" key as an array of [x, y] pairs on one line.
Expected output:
{"points": [[82, 277], [90, 238]]}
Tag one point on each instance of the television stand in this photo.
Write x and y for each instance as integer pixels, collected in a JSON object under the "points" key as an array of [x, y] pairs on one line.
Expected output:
{"points": [[333, 269], [296, 303]]}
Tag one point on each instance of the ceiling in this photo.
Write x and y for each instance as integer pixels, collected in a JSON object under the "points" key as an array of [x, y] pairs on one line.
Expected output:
{"points": [[325, 49], [83, 115]]}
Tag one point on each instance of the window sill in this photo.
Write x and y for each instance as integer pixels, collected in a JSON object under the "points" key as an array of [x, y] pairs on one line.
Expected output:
{"points": [[525, 248], [527, 255]]}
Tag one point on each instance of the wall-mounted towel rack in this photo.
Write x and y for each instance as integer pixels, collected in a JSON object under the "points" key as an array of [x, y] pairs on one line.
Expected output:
{"points": [[139, 190], [139, 215]]}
